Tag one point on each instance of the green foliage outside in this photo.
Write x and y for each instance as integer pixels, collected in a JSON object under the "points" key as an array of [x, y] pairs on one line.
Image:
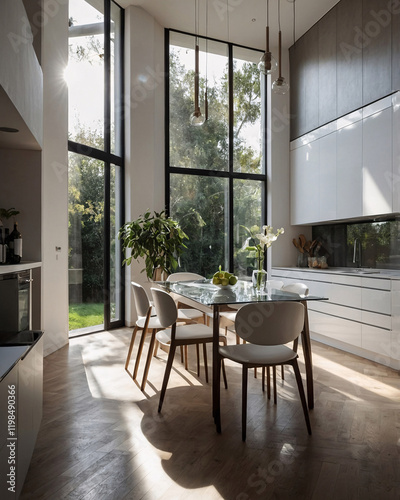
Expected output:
{"points": [[85, 315], [201, 203]]}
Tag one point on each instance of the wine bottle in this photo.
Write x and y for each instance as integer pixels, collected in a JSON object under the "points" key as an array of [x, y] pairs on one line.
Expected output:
{"points": [[6, 248], [2, 257], [15, 245]]}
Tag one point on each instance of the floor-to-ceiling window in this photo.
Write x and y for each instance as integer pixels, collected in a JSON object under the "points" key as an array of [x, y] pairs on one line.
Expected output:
{"points": [[94, 77], [215, 172]]}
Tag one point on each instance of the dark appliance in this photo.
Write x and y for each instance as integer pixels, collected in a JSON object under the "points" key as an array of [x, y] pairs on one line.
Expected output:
{"points": [[15, 301]]}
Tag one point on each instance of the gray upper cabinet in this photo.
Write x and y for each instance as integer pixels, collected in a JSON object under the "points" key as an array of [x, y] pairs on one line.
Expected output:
{"points": [[348, 60], [376, 40], [327, 68], [311, 78], [396, 50], [349, 56], [297, 89]]}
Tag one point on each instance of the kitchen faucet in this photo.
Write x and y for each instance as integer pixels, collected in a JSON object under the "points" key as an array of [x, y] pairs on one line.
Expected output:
{"points": [[357, 255]]}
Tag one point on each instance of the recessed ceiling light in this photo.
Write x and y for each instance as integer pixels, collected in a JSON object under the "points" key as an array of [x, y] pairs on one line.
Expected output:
{"points": [[9, 130]]}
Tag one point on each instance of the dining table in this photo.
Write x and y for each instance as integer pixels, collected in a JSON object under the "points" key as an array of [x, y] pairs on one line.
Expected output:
{"points": [[213, 299]]}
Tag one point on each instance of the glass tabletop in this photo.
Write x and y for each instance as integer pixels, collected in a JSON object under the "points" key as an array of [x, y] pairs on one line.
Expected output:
{"points": [[204, 292]]}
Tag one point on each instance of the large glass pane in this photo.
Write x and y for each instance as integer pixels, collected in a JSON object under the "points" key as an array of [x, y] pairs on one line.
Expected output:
{"points": [[115, 247], [247, 127], [115, 80], [247, 211], [86, 237], [85, 73], [204, 147], [200, 204]]}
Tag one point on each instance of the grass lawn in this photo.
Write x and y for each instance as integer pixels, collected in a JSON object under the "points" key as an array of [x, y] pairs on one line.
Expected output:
{"points": [[84, 315]]}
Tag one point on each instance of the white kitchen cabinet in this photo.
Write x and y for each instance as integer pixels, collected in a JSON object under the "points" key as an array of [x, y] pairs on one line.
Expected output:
{"points": [[349, 182], [327, 177], [377, 162], [396, 151], [305, 183], [349, 168], [361, 315]]}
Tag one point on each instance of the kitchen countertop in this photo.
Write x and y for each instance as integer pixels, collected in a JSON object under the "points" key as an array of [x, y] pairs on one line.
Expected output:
{"points": [[9, 356], [350, 271], [14, 268], [14, 346]]}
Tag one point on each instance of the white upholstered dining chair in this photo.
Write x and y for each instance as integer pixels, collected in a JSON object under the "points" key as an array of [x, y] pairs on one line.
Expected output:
{"points": [[174, 335], [266, 328]]}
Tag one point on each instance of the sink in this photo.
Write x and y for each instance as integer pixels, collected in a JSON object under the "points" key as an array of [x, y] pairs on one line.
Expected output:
{"points": [[356, 270]]}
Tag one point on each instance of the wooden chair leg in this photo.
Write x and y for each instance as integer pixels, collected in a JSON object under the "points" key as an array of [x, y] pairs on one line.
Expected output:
{"points": [[148, 360], [181, 353], [282, 372], [302, 394], [185, 350], [263, 378], [268, 382], [244, 402], [170, 360], [198, 359], [139, 354], [156, 348], [128, 358], [224, 374], [205, 360], [274, 382]]}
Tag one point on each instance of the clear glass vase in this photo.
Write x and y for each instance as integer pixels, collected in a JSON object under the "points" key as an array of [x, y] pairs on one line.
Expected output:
{"points": [[259, 279]]}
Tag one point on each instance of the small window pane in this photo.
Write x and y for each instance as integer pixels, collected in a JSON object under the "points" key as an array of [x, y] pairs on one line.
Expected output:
{"points": [[85, 74], [248, 116], [247, 211], [204, 147], [200, 204]]}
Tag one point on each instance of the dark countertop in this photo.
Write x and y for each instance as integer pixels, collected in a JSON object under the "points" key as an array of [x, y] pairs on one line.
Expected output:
{"points": [[14, 346], [9, 356]]}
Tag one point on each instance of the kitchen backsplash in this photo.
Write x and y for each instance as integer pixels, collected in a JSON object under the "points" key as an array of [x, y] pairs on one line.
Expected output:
{"points": [[379, 241]]}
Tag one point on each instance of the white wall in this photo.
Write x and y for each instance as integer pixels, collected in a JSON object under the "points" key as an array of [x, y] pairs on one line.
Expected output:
{"points": [[55, 176], [282, 253], [144, 94]]}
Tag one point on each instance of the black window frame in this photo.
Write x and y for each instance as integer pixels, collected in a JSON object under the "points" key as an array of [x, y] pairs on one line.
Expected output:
{"points": [[109, 159], [230, 173]]}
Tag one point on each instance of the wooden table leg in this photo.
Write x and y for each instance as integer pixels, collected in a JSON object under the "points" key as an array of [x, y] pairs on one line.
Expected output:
{"points": [[216, 387], [306, 344]]}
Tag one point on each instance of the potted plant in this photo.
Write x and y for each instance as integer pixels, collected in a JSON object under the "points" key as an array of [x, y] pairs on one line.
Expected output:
{"points": [[155, 237]]}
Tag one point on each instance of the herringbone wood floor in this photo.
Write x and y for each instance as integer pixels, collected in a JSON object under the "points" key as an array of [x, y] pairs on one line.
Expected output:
{"points": [[101, 438]]}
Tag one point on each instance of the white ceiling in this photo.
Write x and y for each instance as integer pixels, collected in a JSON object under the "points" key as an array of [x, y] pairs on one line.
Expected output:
{"points": [[247, 18]]}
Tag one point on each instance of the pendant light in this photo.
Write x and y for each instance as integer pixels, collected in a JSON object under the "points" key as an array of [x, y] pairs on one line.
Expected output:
{"points": [[196, 118], [280, 86], [205, 93], [267, 64]]}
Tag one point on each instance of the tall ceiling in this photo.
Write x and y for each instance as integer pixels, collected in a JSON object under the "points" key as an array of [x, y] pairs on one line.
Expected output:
{"points": [[243, 21]]}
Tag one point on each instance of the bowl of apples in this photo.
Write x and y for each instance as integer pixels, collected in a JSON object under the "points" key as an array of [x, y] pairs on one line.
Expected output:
{"points": [[224, 279]]}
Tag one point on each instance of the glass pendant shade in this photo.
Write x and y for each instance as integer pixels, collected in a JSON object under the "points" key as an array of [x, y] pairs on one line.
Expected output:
{"points": [[267, 64], [280, 86], [196, 118]]}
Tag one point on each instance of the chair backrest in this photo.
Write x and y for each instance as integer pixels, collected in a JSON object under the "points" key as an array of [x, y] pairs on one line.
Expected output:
{"points": [[142, 302], [275, 284], [299, 288], [184, 277], [166, 307], [270, 323]]}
